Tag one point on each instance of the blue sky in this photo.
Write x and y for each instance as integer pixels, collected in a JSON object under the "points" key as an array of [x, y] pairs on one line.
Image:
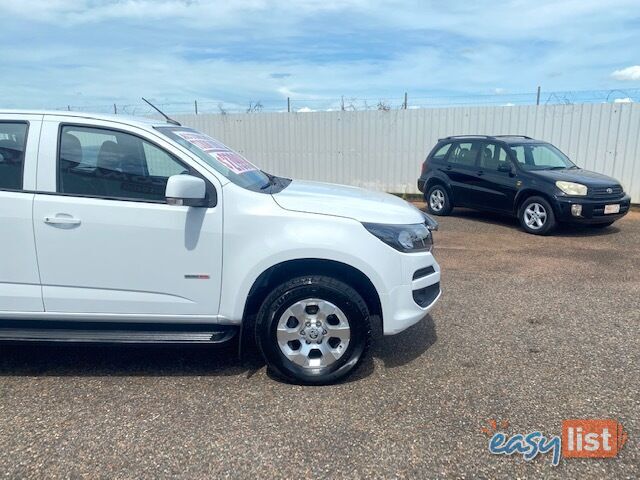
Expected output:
{"points": [[93, 53]]}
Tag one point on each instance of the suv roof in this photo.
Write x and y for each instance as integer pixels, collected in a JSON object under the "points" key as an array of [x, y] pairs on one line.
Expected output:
{"points": [[500, 138]]}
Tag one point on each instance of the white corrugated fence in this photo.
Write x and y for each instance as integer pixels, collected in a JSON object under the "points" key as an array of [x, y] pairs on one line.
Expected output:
{"points": [[384, 150]]}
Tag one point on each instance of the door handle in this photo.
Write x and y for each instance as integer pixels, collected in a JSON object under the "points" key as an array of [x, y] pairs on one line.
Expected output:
{"points": [[449, 167], [62, 220], [480, 173]]}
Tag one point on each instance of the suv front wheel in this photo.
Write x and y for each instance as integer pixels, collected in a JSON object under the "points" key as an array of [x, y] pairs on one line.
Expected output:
{"points": [[313, 330], [438, 200], [536, 216]]}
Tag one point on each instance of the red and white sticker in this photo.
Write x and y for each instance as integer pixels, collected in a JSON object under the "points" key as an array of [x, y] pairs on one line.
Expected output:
{"points": [[223, 154]]}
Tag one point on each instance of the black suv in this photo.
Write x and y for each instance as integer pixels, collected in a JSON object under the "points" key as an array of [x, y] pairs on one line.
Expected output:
{"points": [[520, 176]]}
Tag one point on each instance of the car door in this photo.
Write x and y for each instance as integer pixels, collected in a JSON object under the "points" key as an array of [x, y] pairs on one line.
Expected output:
{"points": [[19, 279], [495, 187], [108, 242], [461, 169]]}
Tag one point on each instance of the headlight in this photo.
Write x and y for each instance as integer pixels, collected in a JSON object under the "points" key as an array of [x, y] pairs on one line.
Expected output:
{"points": [[571, 188], [405, 238]]}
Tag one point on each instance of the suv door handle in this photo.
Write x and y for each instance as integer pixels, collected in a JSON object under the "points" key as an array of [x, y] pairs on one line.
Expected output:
{"points": [[60, 220], [448, 167], [480, 173]]}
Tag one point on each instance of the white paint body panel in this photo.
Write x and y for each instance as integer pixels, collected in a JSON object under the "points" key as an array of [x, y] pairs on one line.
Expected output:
{"points": [[128, 257], [349, 202], [19, 280], [127, 260]]}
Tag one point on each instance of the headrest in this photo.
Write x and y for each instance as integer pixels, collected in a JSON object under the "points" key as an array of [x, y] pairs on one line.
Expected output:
{"points": [[70, 150], [109, 156]]}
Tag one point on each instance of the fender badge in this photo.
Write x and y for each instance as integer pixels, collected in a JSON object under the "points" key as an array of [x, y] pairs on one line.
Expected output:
{"points": [[519, 183], [197, 277]]}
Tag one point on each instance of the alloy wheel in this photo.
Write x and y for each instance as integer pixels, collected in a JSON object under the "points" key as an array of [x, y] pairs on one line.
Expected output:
{"points": [[436, 200], [535, 216], [313, 333]]}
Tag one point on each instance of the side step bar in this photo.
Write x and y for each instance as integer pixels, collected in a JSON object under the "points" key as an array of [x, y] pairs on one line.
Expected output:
{"points": [[98, 332]]}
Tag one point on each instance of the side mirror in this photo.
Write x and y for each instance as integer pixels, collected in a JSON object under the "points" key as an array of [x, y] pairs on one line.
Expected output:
{"points": [[506, 168], [186, 190]]}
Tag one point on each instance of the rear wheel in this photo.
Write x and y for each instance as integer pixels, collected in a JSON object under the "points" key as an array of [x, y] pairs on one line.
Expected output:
{"points": [[438, 200], [536, 216], [313, 330]]}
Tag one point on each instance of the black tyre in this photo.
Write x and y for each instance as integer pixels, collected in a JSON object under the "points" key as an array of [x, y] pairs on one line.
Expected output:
{"points": [[536, 216], [601, 225], [438, 200], [313, 330]]}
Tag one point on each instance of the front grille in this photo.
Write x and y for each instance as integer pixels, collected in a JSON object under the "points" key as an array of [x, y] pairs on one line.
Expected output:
{"points": [[425, 296], [612, 191]]}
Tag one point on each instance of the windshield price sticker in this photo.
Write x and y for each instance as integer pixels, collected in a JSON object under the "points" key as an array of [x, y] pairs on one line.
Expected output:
{"points": [[223, 154]]}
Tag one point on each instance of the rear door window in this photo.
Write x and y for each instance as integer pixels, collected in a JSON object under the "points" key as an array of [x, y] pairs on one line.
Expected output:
{"points": [[13, 140], [464, 154]]}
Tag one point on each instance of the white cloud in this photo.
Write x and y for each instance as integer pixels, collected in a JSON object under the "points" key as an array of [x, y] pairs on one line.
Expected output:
{"points": [[629, 73], [95, 52]]}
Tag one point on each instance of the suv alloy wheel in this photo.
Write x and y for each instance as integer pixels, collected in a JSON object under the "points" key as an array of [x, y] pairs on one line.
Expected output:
{"points": [[536, 216], [438, 201]]}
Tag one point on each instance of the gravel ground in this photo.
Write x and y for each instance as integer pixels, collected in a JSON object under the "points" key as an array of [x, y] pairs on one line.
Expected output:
{"points": [[529, 330]]}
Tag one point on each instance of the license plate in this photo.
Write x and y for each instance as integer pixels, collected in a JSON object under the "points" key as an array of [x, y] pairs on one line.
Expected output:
{"points": [[612, 208]]}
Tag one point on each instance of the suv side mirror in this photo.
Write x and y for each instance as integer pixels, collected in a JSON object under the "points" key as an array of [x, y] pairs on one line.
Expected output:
{"points": [[506, 168], [186, 190]]}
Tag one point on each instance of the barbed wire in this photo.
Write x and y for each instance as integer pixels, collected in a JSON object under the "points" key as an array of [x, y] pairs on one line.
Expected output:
{"points": [[355, 103]]}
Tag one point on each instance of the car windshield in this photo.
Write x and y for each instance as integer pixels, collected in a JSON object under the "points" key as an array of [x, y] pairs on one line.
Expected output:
{"points": [[540, 156], [217, 155]]}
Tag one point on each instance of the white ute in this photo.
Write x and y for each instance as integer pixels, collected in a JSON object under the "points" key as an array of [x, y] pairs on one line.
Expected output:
{"points": [[129, 230]]}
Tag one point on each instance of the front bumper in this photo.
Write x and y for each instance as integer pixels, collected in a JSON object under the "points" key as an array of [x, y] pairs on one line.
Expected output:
{"points": [[592, 209], [405, 305]]}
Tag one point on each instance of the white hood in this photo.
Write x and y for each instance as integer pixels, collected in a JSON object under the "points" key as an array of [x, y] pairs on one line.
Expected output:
{"points": [[350, 202]]}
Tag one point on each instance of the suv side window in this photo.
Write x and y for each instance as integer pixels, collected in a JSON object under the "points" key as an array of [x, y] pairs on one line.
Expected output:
{"points": [[13, 140], [464, 153], [439, 155], [493, 156], [112, 164]]}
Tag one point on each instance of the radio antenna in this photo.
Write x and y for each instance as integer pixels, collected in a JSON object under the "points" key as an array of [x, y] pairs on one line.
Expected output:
{"points": [[167, 117]]}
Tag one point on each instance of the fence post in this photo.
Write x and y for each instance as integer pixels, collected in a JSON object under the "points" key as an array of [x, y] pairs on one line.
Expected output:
{"points": [[195, 103], [115, 109], [538, 96], [288, 105], [404, 105], [342, 103]]}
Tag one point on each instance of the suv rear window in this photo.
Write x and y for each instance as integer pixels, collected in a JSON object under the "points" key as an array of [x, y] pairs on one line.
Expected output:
{"points": [[13, 138]]}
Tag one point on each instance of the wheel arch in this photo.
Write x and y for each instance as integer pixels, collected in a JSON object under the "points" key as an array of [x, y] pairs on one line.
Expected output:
{"points": [[531, 192], [437, 180], [286, 270]]}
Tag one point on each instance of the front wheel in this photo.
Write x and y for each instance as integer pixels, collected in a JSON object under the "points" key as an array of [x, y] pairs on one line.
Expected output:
{"points": [[313, 330], [536, 216]]}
